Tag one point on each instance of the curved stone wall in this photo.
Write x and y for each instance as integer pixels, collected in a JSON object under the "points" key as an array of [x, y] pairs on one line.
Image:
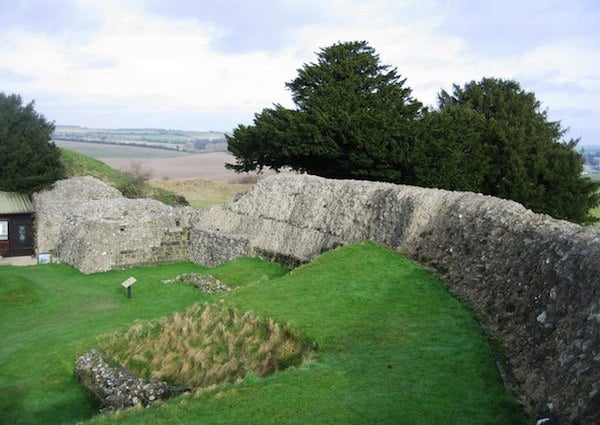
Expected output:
{"points": [[535, 280]]}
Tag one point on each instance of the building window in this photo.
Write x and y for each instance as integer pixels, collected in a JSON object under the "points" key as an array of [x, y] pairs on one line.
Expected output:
{"points": [[3, 230], [22, 234]]}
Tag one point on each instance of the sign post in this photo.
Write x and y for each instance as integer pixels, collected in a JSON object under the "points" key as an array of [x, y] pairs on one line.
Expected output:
{"points": [[128, 284]]}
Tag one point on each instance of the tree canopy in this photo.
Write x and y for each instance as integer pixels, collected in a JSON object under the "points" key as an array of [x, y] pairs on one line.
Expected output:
{"points": [[352, 119], [28, 160], [499, 141], [356, 118]]}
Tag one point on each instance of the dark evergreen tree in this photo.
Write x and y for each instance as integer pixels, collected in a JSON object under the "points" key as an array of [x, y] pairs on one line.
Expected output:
{"points": [[497, 133], [448, 153], [28, 160], [354, 118]]}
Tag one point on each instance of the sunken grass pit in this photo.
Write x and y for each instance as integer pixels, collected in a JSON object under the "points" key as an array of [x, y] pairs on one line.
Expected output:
{"points": [[382, 342], [207, 345]]}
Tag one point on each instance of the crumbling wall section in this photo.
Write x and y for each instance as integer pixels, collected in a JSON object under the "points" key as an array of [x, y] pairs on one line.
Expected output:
{"points": [[534, 280], [54, 205], [103, 235]]}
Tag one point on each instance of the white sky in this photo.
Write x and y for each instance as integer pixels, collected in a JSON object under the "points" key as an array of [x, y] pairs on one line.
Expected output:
{"points": [[211, 65]]}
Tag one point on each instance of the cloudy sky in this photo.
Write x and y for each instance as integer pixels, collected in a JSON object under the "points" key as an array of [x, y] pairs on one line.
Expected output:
{"points": [[210, 65]]}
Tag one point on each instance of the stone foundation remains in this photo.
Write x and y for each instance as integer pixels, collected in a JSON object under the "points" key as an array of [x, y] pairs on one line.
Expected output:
{"points": [[115, 387]]}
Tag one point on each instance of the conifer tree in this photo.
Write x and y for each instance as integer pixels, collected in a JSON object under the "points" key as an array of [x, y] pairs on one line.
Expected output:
{"points": [[28, 159], [353, 119]]}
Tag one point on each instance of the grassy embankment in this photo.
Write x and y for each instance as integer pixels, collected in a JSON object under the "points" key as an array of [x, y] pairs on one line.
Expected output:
{"points": [[78, 164], [394, 346], [199, 193]]}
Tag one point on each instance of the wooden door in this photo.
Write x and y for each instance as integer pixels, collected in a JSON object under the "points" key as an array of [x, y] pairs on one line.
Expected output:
{"points": [[20, 237]]}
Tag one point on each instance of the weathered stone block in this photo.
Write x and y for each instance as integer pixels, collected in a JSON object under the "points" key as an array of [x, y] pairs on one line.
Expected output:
{"points": [[212, 248]]}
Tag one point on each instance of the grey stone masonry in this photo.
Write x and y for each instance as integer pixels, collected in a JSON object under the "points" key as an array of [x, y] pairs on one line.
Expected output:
{"points": [[534, 280], [54, 205], [103, 235]]}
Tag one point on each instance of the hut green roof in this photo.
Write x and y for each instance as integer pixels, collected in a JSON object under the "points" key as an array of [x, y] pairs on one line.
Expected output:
{"points": [[15, 203]]}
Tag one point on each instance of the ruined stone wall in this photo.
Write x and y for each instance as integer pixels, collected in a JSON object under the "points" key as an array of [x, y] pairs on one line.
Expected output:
{"points": [[103, 235], [90, 225], [535, 280], [54, 205]]}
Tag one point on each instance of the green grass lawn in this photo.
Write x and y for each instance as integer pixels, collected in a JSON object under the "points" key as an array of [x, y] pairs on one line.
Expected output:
{"points": [[394, 347], [595, 211]]}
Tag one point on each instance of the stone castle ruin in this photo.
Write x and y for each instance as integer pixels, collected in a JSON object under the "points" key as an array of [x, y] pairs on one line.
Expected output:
{"points": [[90, 225], [534, 280]]}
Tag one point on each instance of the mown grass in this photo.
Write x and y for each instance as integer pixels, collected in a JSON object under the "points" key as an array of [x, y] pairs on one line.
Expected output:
{"points": [[394, 347]]}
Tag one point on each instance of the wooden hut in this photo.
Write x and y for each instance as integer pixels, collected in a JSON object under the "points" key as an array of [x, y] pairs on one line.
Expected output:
{"points": [[16, 225]]}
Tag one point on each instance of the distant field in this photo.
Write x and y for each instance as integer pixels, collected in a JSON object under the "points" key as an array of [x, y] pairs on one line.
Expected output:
{"points": [[595, 176], [210, 166], [104, 151], [178, 140], [162, 163]]}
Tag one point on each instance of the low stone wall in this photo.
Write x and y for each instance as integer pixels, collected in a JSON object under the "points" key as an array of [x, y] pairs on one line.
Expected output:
{"points": [[115, 387], [211, 249], [535, 280]]}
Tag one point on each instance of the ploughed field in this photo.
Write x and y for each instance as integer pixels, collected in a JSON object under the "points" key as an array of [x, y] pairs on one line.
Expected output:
{"points": [[162, 163]]}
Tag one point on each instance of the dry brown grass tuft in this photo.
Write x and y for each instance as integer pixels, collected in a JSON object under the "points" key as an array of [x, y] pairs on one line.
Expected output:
{"points": [[202, 193], [207, 345]]}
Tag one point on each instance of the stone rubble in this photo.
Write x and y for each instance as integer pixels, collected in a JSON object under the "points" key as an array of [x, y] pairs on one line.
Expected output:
{"points": [[205, 283], [115, 387]]}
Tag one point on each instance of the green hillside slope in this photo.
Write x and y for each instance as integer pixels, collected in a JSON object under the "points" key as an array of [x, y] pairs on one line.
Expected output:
{"points": [[77, 164]]}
